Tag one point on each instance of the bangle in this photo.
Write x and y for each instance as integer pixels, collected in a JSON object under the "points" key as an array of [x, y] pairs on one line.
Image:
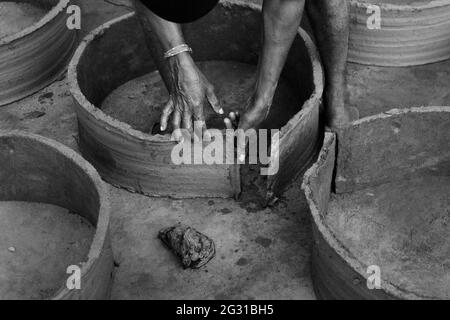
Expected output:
{"points": [[177, 50]]}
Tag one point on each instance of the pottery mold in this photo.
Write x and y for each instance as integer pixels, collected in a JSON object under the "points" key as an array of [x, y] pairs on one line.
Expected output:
{"points": [[37, 169], [38, 55], [394, 146], [411, 33], [115, 53]]}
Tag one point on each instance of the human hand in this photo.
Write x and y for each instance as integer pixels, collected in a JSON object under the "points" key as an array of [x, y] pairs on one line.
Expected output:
{"points": [[255, 112], [190, 91]]}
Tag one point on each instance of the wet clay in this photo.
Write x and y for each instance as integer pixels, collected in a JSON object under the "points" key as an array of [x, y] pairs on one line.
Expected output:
{"points": [[139, 102], [402, 227], [15, 17], [37, 244]]}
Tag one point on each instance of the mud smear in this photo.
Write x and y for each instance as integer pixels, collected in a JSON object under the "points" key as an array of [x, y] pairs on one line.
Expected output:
{"points": [[37, 244], [402, 227], [16, 16]]}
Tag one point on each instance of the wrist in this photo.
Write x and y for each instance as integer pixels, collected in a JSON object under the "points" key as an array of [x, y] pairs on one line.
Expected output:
{"points": [[182, 60], [172, 52], [263, 95]]}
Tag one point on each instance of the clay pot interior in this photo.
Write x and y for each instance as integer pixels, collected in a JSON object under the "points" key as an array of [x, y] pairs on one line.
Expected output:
{"points": [[55, 215], [220, 37]]}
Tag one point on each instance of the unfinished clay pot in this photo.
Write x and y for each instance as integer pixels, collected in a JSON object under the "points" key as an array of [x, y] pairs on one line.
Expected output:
{"points": [[411, 33], [383, 209], [414, 35], [55, 214], [113, 61], [35, 46]]}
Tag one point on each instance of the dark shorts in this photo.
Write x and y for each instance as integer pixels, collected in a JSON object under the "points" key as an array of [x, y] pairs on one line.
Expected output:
{"points": [[180, 11]]}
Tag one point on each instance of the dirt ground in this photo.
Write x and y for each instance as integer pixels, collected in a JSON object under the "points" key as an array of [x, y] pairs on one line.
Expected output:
{"points": [[261, 254]]}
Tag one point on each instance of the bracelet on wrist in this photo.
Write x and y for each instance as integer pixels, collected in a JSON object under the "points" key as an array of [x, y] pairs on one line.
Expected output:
{"points": [[177, 50]]}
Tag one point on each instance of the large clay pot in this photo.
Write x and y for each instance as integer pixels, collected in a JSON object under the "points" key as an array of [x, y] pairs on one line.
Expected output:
{"points": [[38, 55], [37, 169], [411, 32], [116, 53], [379, 197]]}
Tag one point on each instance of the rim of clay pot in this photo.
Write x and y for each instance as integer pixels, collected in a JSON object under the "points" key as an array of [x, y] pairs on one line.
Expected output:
{"points": [[49, 16], [124, 128], [326, 231], [101, 229], [318, 80], [433, 4]]}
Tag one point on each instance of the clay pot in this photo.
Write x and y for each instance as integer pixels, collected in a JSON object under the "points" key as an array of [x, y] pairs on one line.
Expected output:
{"points": [[412, 32], [373, 90], [37, 169], [116, 53], [36, 56], [414, 36], [403, 155]]}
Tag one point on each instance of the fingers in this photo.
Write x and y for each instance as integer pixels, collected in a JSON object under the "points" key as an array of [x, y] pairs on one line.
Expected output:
{"points": [[201, 130], [167, 111], [232, 121], [187, 112], [199, 120], [213, 101], [177, 134], [228, 124], [187, 120], [200, 125], [234, 117]]}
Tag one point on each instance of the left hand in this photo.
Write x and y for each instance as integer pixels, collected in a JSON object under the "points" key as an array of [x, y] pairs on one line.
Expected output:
{"points": [[255, 112]]}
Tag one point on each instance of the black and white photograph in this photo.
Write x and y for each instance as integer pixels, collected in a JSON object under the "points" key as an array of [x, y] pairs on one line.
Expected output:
{"points": [[224, 155]]}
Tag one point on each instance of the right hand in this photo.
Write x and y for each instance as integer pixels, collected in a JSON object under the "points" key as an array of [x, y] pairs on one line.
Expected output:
{"points": [[189, 92]]}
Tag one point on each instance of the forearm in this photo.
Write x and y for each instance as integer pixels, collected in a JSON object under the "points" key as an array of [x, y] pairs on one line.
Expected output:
{"points": [[281, 19], [161, 35]]}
